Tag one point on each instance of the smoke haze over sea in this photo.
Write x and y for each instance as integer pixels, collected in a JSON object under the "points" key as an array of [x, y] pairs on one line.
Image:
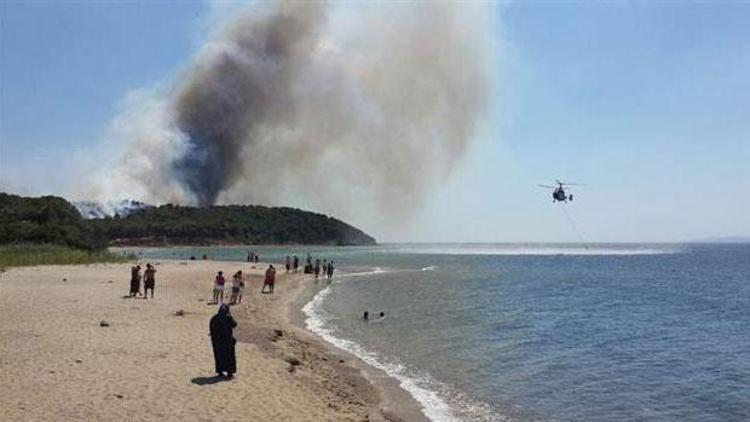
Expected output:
{"points": [[415, 121], [322, 106]]}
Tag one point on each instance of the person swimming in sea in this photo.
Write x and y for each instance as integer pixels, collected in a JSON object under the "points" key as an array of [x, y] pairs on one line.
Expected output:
{"points": [[366, 316]]}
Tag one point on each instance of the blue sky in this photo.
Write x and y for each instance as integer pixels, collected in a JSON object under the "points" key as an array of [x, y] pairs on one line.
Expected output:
{"points": [[646, 102]]}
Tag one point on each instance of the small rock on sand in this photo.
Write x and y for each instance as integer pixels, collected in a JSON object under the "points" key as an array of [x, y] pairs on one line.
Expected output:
{"points": [[293, 361], [179, 313], [103, 323], [279, 333]]}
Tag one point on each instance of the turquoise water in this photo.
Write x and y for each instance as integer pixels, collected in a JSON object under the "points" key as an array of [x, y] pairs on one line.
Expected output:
{"points": [[545, 332]]}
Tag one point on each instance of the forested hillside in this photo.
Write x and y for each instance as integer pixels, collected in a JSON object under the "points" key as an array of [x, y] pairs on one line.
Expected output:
{"points": [[48, 220], [54, 220]]}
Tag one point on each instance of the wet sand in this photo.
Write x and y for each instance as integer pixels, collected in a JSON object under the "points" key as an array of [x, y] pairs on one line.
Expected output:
{"points": [[58, 363]]}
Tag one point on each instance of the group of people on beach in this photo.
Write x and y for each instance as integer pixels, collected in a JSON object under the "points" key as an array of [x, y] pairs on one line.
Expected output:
{"points": [[148, 278], [327, 268], [222, 324], [238, 288]]}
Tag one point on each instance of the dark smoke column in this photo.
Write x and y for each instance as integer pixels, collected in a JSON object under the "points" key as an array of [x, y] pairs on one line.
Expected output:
{"points": [[232, 91]]}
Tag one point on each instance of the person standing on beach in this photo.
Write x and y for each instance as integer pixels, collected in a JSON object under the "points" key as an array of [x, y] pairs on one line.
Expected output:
{"points": [[329, 270], [317, 268], [242, 288], [296, 263], [288, 263], [135, 280], [223, 341], [236, 285], [270, 279], [149, 280], [219, 287]]}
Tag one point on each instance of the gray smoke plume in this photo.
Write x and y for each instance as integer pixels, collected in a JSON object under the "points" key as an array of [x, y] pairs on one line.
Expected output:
{"points": [[313, 105]]}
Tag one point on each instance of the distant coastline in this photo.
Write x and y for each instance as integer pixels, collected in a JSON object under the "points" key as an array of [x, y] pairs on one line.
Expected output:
{"points": [[724, 239], [126, 244]]}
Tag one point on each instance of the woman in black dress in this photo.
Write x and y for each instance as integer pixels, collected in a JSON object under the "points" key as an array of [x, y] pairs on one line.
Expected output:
{"points": [[223, 341], [135, 281]]}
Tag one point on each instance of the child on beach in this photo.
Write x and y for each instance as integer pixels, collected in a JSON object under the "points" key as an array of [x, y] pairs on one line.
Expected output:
{"points": [[296, 264], [288, 263], [270, 279], [149, 280], [219, 287]]}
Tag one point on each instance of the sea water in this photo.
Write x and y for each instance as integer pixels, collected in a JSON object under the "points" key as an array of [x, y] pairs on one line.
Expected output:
{"points": [[543, 332]]}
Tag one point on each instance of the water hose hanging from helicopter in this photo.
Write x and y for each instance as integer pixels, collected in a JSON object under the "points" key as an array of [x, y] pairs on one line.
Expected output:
{"points": [[574, 226], [559, 195]]}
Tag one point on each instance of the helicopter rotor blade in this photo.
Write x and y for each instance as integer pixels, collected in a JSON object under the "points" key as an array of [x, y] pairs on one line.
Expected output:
{"points": [[546, 186]]}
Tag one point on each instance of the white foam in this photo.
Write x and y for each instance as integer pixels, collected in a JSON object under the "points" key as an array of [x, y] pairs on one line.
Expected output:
{"points": [[433, 406], [531, 251], [376, 270], [430, 268]]}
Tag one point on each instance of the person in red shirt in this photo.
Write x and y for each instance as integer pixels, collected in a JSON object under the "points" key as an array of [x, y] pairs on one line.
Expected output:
{"points": [[270, 279], [219, 288]]}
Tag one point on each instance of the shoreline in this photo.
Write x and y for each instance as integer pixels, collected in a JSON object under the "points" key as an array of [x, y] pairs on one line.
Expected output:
{"points": [[396, 402], [223, 244], [148, 363]]}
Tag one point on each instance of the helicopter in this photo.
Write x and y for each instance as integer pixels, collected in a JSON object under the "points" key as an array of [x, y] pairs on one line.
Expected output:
{"points": [[558, 194]]}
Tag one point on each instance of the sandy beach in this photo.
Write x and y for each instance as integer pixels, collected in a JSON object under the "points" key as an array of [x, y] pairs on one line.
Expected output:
{"points": [[57, 361]]}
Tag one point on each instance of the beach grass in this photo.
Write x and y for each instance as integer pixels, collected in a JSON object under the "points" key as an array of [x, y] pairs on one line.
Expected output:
{"points": [[28, 255]]}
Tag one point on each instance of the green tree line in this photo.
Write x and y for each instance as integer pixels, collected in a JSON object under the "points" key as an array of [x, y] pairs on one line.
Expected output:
{"points": [[53, 220]]}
